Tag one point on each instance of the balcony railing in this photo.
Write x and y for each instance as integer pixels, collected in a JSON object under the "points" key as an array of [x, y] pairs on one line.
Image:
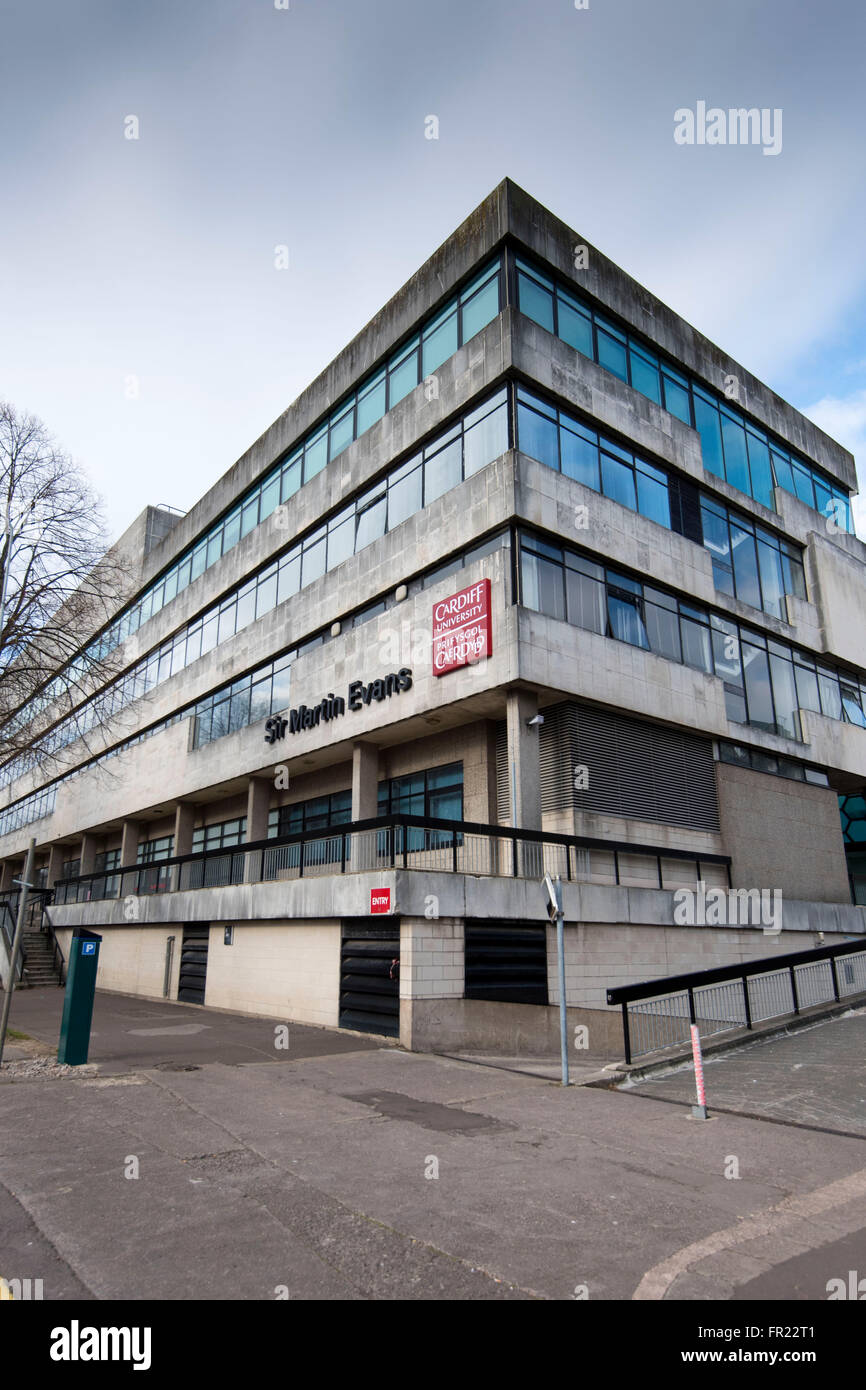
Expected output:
{"points": [[408, 842]]}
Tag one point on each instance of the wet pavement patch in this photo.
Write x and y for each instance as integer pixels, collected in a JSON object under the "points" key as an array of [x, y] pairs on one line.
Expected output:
{"points": [[391, 1105]]}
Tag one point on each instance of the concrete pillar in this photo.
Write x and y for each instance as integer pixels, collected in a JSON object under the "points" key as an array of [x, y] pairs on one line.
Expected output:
{"points": [[56, 855], [8, 871], [365, 781], [365, 802], [524, 772], [129, 843], [258, 806], [87, 854], [184, 824]]}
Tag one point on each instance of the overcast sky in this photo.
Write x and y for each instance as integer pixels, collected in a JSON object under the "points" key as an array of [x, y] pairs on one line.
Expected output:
{"points": [[154, 258]]}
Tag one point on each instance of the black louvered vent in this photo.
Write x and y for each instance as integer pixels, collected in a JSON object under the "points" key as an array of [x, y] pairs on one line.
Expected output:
{"points": [[503, 782]]}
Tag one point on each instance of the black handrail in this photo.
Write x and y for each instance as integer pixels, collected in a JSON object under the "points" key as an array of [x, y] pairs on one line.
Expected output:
{"points": [[678, 984], [387, 825]]}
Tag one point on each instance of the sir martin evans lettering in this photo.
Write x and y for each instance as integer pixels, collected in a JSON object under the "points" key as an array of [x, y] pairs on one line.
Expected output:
{"points": [[358, 695]]}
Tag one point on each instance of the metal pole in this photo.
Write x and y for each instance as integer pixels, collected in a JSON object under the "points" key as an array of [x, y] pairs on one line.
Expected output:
{"points": [[24, 884], [560, 952]]}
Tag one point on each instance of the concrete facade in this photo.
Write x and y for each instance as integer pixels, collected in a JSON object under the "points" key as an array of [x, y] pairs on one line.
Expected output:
{"points": [[776, 831]]}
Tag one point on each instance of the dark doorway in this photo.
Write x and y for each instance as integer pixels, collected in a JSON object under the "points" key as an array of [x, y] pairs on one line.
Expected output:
{"points": [[193, 965], [369, 977]]}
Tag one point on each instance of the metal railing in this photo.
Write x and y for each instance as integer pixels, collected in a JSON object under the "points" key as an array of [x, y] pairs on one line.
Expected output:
{"points": [[658, 1014], [7, 931], [408, 842], [38, 902]]}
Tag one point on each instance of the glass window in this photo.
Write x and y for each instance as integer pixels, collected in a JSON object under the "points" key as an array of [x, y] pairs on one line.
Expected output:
{"points": [[290, 576], [280, 692], [586, 601], [485, 440], [266, 592], [677, 401], [260, 700], [645, 376], [316, 455], [759, 695], [807, 688], [611, 353], [313, 562], [291, 476], [803, 485], [246, 606], [341, 537], [240, 710], [439, 343], [663, 630], [782, 470], [761, 473], [537, 436], [342, 432], [214, 547], [442, 471], [480, 309], [542, 587], [250, 516], [198, 560], [270, 496], [371, 405], [745, 566], [736, 457], [794, 581], [831, 699], [772, 582], [580, 455], [403, 377], [626, 621], [404, 495], [575, 326], [227, 617], [784, 697], [617, 481], [851, 703], [696, 642], [370, 520], [708, 427], [653, 500], [535, 302], [231, 531]]}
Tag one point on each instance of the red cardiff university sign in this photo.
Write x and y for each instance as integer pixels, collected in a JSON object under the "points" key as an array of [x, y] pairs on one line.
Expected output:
{"points": [[461, 628]]}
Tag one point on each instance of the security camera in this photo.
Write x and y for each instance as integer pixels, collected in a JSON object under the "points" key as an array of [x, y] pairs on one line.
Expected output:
{"points": [[535, 721]]}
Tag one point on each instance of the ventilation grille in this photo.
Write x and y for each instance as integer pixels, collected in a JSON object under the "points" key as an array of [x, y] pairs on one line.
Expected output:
{"points": [[635, 770]]}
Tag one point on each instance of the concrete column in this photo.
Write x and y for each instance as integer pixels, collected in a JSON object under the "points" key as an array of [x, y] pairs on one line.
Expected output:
{"points": [[365, 802], [184, 822], [7, 873], [365, 780], [129, 843], [524, 773], [258, 806], [87, 853], [56, 856]]}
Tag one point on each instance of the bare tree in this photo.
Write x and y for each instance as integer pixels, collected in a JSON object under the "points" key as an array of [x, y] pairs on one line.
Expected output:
{"points": [[58, 588]]}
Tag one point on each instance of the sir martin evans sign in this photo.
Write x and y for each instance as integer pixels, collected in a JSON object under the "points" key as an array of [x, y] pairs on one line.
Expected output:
{"points": [[332, 706], [461, 628]]}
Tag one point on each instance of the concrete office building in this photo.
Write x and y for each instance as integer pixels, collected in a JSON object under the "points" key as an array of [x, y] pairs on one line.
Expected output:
{"points": [[526, 488]]}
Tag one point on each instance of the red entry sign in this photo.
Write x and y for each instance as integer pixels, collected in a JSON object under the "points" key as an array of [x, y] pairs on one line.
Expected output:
{"points": [[461, 629], [380, 899]]}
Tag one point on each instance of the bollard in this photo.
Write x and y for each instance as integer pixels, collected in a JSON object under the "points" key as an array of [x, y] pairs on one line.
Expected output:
{"points": [[699, 1111]]}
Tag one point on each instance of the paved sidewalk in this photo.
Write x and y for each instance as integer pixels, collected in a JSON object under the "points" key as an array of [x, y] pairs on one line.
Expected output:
{"points": [[363, 1172]]}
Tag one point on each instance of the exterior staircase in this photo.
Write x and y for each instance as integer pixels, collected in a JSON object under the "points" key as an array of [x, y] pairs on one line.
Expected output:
{"points": [[42, 963]]}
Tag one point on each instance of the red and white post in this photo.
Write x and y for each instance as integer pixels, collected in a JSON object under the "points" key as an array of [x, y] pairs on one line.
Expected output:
{"points": [[699, 1111]]}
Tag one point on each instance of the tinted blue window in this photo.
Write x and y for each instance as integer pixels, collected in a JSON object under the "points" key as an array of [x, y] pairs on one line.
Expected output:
{"points": [[579, 458], [535, 302], [761, 473], [677, 401], [736, 458], [537, 436], [782, 470], [707, 425], [652, 495], [745, 566], [611, 354], [440, 344], [803, 486], [315, 456], [617, 481], [575, 328], [403, 379], [480, 309], [371, 406], [342, 433], [645, 377]]}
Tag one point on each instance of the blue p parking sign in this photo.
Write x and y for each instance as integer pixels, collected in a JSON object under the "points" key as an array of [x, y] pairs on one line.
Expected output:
{"points": [[88, 948]]}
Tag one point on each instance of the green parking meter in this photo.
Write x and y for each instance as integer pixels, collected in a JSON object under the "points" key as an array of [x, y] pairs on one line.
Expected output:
{"points": [[78, 1001]]}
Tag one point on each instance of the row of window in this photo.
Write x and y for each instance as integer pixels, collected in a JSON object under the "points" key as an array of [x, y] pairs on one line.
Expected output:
{"points": [[766, 682], [439, 338], [740, 755], [28, 809], [748, 560], [155, 851], [460, 451], [733, 447], [436, 792], [221, 836]]}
